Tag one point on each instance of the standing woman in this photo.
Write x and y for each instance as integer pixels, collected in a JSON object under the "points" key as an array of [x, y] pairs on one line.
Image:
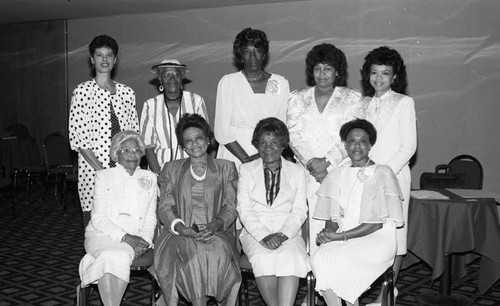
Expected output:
{"points": [[100, 108], [161, 114], [393, 115], [314, 118], [247, 96]]}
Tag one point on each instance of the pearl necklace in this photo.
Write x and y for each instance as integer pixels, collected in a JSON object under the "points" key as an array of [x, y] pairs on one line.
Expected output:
{"points": [[257, 78], [197, 177]]}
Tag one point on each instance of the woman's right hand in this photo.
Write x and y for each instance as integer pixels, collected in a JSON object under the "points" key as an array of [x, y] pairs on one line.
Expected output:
{"points": [[273, 241], [138, 244], [326, 235]]}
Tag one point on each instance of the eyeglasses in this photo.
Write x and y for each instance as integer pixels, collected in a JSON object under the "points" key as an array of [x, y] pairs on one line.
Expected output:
{"points": [[127, 151], [170, 74]]}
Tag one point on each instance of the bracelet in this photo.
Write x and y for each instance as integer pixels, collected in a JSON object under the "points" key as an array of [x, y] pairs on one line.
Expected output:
{"points": [[172, 226], [345, 236]]}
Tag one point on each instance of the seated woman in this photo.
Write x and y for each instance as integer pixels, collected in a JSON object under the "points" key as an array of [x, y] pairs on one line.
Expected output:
{"points": [[361, 203], [272, 208], [123, 219], [196, 254]]}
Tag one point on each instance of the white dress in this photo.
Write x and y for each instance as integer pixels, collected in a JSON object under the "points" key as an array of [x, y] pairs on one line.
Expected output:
{"points": [[349, 268], [393, 115], [238, 110], [90, 128], [285, 215], [158, 125], [315, 134], [123, 204]]}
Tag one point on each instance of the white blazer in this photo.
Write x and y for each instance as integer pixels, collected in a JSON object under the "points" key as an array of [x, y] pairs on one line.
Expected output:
{"points": [[124, 204], [288, 211]]}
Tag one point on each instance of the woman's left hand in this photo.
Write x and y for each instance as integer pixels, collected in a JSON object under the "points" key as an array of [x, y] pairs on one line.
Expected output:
{"points": [[317, 165], [205, 236]]}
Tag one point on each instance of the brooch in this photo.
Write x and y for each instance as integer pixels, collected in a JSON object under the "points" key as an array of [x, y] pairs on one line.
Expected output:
{"points": [[272, 87], [145, 182]]}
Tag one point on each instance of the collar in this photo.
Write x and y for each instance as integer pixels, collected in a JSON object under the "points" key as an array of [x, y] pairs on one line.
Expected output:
{"points": [[277, 169], [385, 95], [123, 170]]}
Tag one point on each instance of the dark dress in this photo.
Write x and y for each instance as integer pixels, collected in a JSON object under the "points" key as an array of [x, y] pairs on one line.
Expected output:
{"points": [[183, 265]]}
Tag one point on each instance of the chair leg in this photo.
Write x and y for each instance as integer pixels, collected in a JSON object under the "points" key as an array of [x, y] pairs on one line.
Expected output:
{"points": [[82, 295], [388, 288], [311, 282], [28, 183], [153, 289], [244, 290]]}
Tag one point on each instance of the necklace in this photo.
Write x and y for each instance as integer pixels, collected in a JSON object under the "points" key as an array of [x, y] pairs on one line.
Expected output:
{"points": [[197, 177], [361, 172], [253, 78]]}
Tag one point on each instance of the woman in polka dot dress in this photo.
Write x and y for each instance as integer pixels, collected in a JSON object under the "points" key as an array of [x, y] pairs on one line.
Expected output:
{"points": [[100, 108]]}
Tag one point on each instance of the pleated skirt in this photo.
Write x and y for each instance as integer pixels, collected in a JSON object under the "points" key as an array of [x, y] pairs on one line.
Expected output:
{"points": [[349, 268]]}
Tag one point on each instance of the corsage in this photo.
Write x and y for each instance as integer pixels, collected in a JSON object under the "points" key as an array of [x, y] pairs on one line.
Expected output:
{"points": [[145, 182]]}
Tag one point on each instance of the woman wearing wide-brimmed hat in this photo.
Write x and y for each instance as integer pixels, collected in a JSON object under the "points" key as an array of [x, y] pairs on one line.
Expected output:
{"points": [[161, 114]]}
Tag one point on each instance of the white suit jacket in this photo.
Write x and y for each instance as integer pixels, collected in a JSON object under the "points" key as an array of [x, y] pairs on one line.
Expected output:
{"points": [[124, 204], [288, 211]]}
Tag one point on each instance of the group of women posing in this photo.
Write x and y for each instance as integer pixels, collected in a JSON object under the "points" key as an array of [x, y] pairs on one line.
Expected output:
{"points": [[352, 174]]}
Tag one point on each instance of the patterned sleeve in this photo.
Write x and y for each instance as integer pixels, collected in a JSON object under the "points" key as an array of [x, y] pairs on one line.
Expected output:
{"points": [[294, 124], [147, 126], [223, 113], [133, 121], [79, 132]]}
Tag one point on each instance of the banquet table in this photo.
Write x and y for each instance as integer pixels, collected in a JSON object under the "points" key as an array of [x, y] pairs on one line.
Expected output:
{"points": [[450, 226], [18, 152]]}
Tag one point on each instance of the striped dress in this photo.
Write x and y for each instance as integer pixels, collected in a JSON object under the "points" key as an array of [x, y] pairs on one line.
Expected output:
{"points": [[157, 125]]}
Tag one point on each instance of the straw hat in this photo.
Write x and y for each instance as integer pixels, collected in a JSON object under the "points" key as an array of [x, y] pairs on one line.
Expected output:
{"points": [[170, 63]]}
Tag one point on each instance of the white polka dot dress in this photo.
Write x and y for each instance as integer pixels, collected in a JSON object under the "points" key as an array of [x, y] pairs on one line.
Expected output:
{"points": [[90, 128]]}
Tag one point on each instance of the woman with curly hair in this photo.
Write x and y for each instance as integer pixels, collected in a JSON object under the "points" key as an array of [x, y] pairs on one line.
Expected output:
{"points": [[247, 96], [314, 118], [392, 113]]}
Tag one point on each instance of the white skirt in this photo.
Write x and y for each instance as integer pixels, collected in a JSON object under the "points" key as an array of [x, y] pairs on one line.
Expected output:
{"points": [[349, 268], [105, 256], [290, 259]]}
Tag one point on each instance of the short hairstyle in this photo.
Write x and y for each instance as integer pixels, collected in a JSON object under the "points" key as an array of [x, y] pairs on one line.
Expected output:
{"points": [[363, 124], [327, 54], [274, 126], [250, 37], [388, 57], [120, 138], [191, 120], [103, 41]]}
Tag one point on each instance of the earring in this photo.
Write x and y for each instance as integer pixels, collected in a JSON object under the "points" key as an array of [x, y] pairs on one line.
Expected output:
{"points": [[160, 88]]}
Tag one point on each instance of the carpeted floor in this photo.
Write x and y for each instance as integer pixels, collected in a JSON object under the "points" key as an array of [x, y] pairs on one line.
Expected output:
{"points": [[40, 252]]}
